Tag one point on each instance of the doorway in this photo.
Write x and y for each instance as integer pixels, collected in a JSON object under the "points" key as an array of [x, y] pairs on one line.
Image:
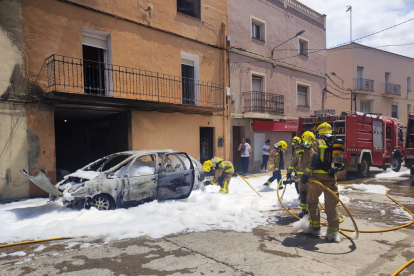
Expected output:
{"points": [[206, 143], [236, 142], [93, 70], [188, 84], [83, 136]]}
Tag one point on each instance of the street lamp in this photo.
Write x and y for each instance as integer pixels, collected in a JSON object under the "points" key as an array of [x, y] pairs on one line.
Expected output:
{"points": [[298, 34], [333, 74]]}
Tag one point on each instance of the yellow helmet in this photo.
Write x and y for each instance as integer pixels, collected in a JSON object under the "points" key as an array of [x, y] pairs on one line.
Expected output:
{"points": [[324, 128], [208, 165], [308, 138], [296, 140], [281, 144]]}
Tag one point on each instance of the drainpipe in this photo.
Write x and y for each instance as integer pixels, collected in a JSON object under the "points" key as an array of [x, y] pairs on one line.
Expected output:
{"points": [[225, 105]]}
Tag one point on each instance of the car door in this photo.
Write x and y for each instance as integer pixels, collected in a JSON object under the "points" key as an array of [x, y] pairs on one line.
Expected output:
{"points": [[141, 180], [175, 176]]}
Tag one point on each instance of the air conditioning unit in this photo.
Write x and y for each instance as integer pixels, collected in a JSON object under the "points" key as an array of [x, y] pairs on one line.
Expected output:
{"points": [[324, 112]]}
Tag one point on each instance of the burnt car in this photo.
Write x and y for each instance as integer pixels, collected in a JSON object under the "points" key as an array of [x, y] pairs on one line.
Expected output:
{"points": [[126, 179]]}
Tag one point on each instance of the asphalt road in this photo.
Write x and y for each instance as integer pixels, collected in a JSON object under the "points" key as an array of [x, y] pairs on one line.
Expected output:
{"points": [[268, 250]]}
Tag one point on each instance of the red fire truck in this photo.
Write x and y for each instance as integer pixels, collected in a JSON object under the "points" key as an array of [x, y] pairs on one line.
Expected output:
{"points": [[370, 140], [409, 145]]}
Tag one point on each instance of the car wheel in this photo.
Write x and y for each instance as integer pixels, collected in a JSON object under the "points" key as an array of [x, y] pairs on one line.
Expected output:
{"points": [[396, 164], [102, 202], [363, 168]]}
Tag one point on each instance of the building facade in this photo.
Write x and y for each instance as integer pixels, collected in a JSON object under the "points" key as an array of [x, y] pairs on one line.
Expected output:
{"points": [[83, 79], [377, 81], [275, 73]]}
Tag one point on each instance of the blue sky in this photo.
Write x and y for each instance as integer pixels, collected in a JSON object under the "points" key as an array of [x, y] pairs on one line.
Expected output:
{"points": [[368, 17]]}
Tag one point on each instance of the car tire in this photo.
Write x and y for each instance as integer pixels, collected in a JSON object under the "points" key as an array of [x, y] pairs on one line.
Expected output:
{"points": [[363, 168], [396, 164], [102, 202]]}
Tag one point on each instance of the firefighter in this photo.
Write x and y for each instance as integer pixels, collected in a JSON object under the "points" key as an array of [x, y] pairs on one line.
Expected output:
{"points": [[297, 144], [319, 171], [299, 163], [276, 163], [223, 170]]}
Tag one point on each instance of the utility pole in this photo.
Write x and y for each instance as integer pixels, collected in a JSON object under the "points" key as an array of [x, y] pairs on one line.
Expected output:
{"points": [[350, 14]]}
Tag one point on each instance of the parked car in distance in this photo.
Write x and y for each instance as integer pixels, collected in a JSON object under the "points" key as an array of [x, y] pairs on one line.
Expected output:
{"points": [[126, 179]]}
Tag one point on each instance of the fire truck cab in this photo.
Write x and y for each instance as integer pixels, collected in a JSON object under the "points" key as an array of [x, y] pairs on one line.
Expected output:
{"points": [[370, 140]]}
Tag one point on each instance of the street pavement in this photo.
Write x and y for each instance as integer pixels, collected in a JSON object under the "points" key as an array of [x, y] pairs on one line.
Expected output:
{"points": [[267, 250]]}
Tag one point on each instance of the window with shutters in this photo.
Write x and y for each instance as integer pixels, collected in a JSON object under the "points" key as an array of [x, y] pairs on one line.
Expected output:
{"points": [[96, 54], [189, 7], [303, 46], [258, 28], [366, 106], [303, 95]]}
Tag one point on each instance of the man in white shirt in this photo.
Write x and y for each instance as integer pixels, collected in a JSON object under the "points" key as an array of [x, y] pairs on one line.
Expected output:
{"points": [[266, 151], [245, 151]]}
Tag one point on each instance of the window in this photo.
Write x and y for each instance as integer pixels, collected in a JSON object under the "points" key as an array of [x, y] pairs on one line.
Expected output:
{"points": [[408, 108], [258, 28], [388, 132], [366, 106], [303, 46], [394, 110], [96, 53], [189, 7], [190, 75], [409, 84], [302, 95], [176, 163], [256, 31], [257, 84]]}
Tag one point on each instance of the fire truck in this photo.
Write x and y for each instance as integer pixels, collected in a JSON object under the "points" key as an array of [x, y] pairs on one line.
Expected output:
{"points": [[409, 145], [370, 140]]}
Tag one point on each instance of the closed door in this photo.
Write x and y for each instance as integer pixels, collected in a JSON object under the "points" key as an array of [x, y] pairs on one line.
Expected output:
{"points": [[206, 143], [236, 154], [259, 141]]}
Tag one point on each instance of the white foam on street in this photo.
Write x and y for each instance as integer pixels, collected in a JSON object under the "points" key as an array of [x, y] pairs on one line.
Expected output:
{"points": [[368, 188], [390, 173], [302, 224], [26, 260], [40, 248], [18, 253], [240, 210]]}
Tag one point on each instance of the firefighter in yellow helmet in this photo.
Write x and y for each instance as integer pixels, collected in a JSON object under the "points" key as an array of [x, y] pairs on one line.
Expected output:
{"points": [[297, 144], [318, 169], [299, 163], [223, 170], [276, 163]]}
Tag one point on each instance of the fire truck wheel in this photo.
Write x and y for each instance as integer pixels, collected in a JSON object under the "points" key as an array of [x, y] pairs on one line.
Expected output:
{"points": [[363, 168], [396, 164]]}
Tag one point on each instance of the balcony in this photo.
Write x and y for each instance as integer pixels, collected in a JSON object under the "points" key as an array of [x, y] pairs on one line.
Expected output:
{"points": [[258, 103], [103, 82], [363, 86], [392, 90]]}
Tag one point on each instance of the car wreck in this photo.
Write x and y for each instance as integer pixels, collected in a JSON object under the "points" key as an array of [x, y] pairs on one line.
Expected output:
{"points": [[126, 179]]}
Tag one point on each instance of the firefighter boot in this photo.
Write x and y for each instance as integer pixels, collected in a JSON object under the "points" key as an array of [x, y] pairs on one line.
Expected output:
{"points": [[332, 235], [303, 204], [267, 183], [223, 191]]}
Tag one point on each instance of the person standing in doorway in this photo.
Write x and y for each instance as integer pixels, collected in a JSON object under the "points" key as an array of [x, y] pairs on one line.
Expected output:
{"points": [[266, 151], [245, 151]]}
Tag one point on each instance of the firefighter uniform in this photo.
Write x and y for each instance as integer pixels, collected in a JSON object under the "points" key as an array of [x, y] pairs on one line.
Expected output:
{"points": [[314, 190], [303, 157], [276, 164], [223, 169]]}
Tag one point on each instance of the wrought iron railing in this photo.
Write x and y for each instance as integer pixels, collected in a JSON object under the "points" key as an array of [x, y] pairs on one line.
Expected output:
{"points": [[68, 74], [392, 89], [263, 102], [363, 84]]}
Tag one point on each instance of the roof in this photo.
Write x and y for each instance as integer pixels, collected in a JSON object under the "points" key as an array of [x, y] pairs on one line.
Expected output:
{"points": [[370, 48]]}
